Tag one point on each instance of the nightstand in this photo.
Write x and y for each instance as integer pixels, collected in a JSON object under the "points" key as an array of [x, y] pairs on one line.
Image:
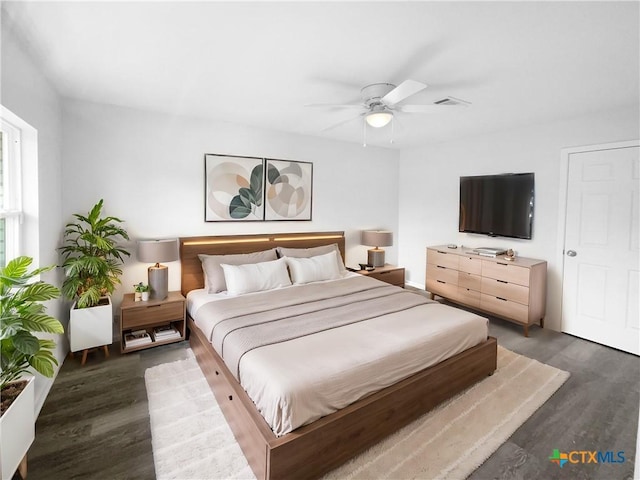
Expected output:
{"points": [[159, 318], [389, 273]]}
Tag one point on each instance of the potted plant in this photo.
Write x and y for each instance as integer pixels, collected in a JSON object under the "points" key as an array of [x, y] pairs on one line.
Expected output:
{"points": [[22, 314], [142, 292], [92, 262]]}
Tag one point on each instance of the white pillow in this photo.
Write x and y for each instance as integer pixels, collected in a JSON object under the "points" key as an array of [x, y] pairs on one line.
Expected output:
{"points": [[313, 269], [312, 252], [214, 276], [255, 277]]}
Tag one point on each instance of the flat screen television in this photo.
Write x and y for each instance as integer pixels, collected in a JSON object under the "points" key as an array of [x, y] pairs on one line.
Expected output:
{"points": [[497, 205]]}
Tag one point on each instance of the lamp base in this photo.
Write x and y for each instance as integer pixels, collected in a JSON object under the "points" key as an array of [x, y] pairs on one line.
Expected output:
{"points": [[158, 282], [375, 257]]}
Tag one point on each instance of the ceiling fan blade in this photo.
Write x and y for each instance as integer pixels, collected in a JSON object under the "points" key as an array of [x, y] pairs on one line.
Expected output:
{"points": [[335, 105], [444, 105], [402, 91], [432, 108], [339, 124]]}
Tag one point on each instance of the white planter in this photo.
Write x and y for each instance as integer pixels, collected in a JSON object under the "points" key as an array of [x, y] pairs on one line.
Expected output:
{"points": [[18, 430], [90, 327]]}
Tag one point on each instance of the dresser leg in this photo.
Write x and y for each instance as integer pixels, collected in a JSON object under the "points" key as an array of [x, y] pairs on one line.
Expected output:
{"points": [[526, 330], [542, 322]]}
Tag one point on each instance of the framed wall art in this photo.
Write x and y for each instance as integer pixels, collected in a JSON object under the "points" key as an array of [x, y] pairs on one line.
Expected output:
{"points": [[253, 189], [233, 188], [288, 190]]}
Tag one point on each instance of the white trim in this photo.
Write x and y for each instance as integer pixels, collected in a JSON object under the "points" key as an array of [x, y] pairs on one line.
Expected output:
{"points": [[11, 210], [565, 153]]}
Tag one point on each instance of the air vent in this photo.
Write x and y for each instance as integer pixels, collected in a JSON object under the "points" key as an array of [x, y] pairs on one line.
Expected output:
{"points": [[452, 101]]}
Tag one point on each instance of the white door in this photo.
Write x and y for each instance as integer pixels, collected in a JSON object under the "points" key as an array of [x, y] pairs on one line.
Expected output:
{"points": [[601, 263]]}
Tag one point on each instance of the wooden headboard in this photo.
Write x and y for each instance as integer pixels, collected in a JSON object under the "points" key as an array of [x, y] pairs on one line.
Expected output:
{"points": [[192, 276]]}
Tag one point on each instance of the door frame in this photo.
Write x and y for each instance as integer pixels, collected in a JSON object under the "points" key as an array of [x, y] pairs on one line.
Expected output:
{"points": [[565, 153]]}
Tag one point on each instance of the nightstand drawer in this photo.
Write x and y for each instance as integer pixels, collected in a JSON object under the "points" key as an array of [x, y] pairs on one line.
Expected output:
{"points": [[394, 277], [153, 314]]}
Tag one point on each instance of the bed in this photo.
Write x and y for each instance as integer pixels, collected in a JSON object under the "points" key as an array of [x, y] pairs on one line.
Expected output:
{"points": [[308, 446]]}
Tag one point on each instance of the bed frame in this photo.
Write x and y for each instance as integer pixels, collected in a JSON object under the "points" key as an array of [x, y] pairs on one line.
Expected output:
{"points": [[323, 445]]}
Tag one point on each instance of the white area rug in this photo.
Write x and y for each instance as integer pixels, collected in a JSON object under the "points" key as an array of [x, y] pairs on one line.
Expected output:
{"points": [[191, 439]]}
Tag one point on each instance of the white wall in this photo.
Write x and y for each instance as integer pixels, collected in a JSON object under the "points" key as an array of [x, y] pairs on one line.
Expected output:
{"points": [[429, 189], [149, 168], [27, 93]]}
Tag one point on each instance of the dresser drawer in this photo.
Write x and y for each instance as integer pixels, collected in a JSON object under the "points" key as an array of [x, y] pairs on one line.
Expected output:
{"points": [[510, 291], [442, 259], [443, 289], [152, 314], [504, 271], [394, 277], [441, 273], [505, 308], [468, 297], [471, 265], [469, 280]]}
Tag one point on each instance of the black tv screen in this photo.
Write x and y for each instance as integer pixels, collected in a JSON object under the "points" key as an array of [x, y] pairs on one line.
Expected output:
{"points": [[497, 205]]}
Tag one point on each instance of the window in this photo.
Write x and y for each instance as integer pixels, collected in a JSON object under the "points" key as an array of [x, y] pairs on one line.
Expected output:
{"points": [[10, 192]]}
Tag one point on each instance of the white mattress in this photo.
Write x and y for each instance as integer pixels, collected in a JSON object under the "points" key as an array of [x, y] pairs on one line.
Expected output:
{"points": [[296, 382]]}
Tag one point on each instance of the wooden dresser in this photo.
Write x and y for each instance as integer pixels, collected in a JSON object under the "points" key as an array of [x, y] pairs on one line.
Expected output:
{"points": [[514, 290]]}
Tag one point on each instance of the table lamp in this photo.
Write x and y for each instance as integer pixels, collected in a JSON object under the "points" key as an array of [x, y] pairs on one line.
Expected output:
{"points": [[376, 238], [156, 251]]}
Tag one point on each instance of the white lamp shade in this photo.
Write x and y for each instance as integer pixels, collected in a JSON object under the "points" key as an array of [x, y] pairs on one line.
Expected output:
{"points": [[377, 238], [378, 119], [156, 251]]}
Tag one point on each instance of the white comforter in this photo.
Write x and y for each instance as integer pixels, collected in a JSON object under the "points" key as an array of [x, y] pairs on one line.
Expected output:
{"points": [[298, 381]]}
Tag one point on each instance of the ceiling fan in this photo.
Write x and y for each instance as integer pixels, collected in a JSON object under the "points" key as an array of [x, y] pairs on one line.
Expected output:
{"points": [[380, 101]]}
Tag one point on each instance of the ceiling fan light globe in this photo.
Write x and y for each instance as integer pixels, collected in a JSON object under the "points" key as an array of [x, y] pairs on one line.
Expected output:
{"points": [[378, 119]]}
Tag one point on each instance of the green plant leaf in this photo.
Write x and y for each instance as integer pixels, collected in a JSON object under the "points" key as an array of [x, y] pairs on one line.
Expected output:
{"points": [[43, 362], [26, 343], [42, 323]]}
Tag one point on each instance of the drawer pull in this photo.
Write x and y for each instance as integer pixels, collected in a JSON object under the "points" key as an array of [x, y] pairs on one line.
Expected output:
{"points": [[217, 373], [440, 281], [383, 273], [443, 253], [440, 266], [502, 281], [230, 397], [504, 264], [503, 299], [154, 306]]}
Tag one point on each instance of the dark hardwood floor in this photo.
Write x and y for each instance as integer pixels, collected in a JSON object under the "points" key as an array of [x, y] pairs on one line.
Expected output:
{"points": [[95, 423]]}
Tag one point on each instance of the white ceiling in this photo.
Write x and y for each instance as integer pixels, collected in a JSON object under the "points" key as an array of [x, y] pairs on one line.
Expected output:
{"points": [[258, 64]]}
